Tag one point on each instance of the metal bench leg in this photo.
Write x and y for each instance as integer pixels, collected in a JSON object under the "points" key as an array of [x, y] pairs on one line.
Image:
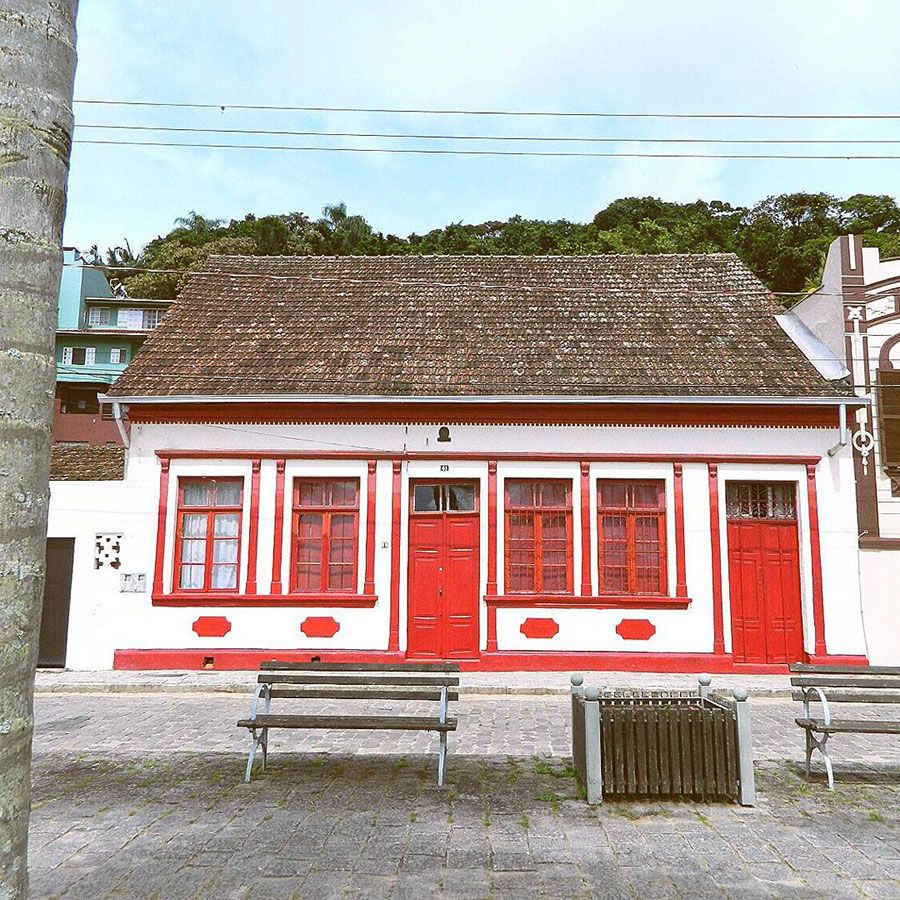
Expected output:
{"points": [[823, 749], [809, 750], [442, 757], [250, 757], [265, 747]]}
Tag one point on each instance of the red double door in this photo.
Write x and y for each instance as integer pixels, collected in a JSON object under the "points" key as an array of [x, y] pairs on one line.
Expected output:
{"points": [[444, 571], [764, 572]]}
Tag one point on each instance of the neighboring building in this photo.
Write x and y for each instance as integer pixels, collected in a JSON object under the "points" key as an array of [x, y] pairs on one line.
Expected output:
{"points": [[98, 333], [529, 462], [856, 313]]}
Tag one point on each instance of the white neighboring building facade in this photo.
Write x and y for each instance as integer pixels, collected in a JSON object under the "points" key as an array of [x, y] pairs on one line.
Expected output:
{"points": [[856, 314], [514, 463]]}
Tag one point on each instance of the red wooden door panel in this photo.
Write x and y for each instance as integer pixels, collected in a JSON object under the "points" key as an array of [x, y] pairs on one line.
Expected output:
{"points": [[444, 579], [764, 580]]}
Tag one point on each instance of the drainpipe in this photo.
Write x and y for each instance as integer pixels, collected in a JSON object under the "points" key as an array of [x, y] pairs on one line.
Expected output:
{"points": [[843, 434], [117, 415]]}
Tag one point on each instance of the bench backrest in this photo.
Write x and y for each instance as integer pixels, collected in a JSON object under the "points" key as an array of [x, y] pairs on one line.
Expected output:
{"points": [[847, 684], [360, 681]]}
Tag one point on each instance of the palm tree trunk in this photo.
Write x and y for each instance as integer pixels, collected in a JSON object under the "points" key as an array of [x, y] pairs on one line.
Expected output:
{"points": [[37, 67]]}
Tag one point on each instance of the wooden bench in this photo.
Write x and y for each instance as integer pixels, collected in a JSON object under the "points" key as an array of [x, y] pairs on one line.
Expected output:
{"points": [[352, 682], [842, 684]]}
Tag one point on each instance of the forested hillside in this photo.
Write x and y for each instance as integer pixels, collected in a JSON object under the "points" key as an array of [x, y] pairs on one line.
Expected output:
{"points": [[782, 239]]}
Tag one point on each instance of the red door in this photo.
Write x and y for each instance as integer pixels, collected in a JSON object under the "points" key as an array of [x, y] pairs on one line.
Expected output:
{"points": [[444, 571], [764, 572]]}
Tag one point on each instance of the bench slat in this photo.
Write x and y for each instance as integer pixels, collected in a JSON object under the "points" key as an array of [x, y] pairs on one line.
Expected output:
{"points": [[858, 726], [844, 696], [278, 665], [844, 670], [825, 681], [374, 679], [352, 693], [374, 723]]}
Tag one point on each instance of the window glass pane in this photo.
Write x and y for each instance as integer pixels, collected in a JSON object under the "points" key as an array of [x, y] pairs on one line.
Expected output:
{"points": [[647, 558], [646, 495], [193, 551], [340, 578], [311, 494], [612, 493], [520, 546], [760, 500], [79, 356], [461, 497], [309, 525], [224, 577], [614, 554], [226, 524], [553, 493], [193, 525], [520, 493], [196, 493], [225, 551], [309, 577], [342, 528], [228, 493], [191, 577], [343, 493], [426, 498]]}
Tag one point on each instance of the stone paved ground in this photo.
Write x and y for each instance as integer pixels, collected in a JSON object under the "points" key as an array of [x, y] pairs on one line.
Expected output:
{"points": [[142, 797]]}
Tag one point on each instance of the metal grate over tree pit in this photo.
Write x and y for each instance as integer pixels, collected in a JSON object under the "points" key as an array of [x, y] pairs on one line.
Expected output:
{"points": [[640, 743]]}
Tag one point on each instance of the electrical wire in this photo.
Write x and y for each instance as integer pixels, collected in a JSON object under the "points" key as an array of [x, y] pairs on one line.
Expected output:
{"points": [[222, 107], [94, 126], [430, 151]]}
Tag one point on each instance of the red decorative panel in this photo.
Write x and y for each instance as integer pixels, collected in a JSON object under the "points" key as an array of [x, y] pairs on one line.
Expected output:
{"points": [[539, 628], [320, 626], [212, 626], [635, 629]]}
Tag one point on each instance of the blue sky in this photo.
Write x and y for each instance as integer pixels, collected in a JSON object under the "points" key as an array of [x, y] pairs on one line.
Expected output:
{"points": [[818, 56]]}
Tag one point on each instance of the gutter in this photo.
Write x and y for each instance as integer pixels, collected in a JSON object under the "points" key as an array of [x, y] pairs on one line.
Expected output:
{"points": [[843, 402], [120, 424]]}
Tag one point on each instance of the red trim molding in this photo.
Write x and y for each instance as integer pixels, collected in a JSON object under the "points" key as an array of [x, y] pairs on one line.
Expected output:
{"points": [[253, 536], [569, 601], [320, 626], [680, 565], [211, 626], [815, 552], [491, 588], [586, 528], [635, 629], [369, 586], [716, 548], [407, 412], [278, 538], [505, 661], [539, 629], [326, 600], [396, 511], [161, 516], [474, 456]]}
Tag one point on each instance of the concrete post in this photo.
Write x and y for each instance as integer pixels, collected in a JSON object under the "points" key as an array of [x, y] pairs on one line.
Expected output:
{"points": [[704, 680], [593, 772], [745, 747]]}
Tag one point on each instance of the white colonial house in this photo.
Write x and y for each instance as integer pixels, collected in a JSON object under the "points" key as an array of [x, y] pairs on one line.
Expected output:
{"points": [[610, 462], [856, 314]]}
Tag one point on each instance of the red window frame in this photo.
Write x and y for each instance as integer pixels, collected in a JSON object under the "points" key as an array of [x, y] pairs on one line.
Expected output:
{"points": [[328, 511], [539, 512], [210, 511], [632, 510]]}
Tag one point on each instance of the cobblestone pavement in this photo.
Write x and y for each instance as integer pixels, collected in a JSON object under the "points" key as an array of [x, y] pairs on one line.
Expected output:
{"points": [[142, 797]]}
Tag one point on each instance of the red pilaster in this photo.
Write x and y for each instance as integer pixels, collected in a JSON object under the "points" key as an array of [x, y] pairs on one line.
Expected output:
{"points": [[394, 633], [278, 540], [680, 566], [718, 621], [369, 586], [161, 526], [254, 527], [815, 551], [585, 529], [492, 556]]}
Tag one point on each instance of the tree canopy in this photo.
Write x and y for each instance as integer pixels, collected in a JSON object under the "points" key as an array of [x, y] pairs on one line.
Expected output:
{"points": [[783, 239]]}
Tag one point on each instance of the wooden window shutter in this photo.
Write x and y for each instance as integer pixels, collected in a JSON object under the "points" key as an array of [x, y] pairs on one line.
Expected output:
{"points": [[889, 409], [67, 356]]}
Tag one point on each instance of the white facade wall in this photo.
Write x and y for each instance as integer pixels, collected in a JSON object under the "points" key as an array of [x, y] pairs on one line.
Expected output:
{"points": [[103, 620]]}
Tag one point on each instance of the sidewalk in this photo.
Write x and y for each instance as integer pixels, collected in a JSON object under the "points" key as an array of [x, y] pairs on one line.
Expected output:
{"points": [[61, 681]]}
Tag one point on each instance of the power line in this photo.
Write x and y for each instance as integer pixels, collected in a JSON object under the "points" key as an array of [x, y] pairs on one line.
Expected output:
{"points": [[483, 137], [521, 153], [490, 112]]}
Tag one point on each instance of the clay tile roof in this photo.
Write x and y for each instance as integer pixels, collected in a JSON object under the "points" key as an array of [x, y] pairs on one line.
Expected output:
{"points": [[669, 324], [84, 462]]}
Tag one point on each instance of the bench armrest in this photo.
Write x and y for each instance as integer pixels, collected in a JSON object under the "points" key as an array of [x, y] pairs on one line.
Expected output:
{"points": [[826, 710], [260, 690]]}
